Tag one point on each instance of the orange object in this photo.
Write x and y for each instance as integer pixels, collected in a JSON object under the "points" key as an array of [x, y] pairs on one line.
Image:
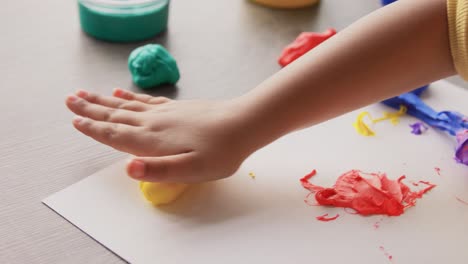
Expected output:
{"points": [[303, 43], [162, 193]]}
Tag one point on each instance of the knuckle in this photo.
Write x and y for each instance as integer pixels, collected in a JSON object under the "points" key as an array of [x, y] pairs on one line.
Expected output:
{"points": [[144, 98], [153, 127], [108, 115], [125, 105], [110, 133]]}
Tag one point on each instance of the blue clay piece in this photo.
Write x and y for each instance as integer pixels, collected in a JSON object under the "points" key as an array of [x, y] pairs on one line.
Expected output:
{"points": [[152, 65], [386, 2], [448, 121], [452, 122]]}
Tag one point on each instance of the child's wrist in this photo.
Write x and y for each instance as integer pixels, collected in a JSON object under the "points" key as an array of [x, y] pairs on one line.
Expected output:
{"points": [[257, 128]]}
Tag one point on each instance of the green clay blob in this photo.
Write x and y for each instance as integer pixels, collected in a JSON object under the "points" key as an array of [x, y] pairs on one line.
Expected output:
{"points": [[152, 65], [125, 20]]}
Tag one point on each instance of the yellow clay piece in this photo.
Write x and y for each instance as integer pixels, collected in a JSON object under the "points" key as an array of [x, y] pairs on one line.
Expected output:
{"points": [[162, 193], [287, 3], [363, 129], [394, 117]]}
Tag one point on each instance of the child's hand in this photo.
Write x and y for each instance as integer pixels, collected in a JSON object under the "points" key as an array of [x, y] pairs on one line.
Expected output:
{"points": [[174, 141], [193, 141]]}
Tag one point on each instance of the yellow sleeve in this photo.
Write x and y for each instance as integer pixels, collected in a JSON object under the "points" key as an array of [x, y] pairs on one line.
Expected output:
{"points": [[457, 13]]}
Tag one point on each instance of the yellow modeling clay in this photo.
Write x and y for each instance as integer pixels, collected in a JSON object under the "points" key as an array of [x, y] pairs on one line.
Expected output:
{"points": [[363, 129], [394, 117], [162, 193]]}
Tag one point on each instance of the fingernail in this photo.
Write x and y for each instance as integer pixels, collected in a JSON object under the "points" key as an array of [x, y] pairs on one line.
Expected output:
{"points": [[136, 169], [77, 120], [72, 98], [82, 93], [118, 92]]}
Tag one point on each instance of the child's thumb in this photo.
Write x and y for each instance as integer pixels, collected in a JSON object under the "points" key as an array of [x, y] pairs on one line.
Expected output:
{"points": [[176, 168]]}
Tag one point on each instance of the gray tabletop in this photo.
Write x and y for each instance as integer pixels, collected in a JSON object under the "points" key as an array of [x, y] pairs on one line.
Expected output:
{"points": [[224, 48]]}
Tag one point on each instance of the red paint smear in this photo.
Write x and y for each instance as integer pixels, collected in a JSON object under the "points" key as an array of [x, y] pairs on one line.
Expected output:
{"points": [[377, 224], [390, 257], [461, 201], [309, 186], [426, 182], [437, 169], [325, 217], [375, 194], [412, 196], [303, 43]]}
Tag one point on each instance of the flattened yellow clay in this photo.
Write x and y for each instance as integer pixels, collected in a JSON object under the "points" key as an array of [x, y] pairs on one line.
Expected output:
{"points": [[364, 130], [162, 193], [361, 127], [394, 117]]}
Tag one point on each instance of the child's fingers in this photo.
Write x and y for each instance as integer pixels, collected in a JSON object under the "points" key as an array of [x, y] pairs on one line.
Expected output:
{"points": [[176, 168], [119, 136], [111, 101], [148, 99], [84, 108]]}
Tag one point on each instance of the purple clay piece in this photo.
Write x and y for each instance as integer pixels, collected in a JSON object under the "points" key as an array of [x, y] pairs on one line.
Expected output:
{"points": [[461, 153], [418, 128]]}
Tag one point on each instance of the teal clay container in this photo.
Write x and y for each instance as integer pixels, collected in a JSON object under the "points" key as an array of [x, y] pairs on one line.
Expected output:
{"points": [[123, 20]]}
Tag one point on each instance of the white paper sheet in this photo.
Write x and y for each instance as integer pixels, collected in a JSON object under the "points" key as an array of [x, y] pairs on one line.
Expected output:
{"points": [[265, 220]]}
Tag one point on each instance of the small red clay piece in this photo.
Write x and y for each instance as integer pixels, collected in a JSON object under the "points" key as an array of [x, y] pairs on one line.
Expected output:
{"points": [[303, 43], [326, 218]]}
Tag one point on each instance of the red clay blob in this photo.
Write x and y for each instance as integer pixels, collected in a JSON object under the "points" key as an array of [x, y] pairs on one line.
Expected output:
{"points": [[367, 193], [303, 43], [326, 218]]}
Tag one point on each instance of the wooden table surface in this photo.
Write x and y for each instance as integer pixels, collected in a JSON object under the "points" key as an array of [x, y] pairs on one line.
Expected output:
{"points": [[224, 48]]}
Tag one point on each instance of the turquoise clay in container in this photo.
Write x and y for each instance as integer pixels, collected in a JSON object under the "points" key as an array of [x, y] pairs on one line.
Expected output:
{"points": [[123, 20]]}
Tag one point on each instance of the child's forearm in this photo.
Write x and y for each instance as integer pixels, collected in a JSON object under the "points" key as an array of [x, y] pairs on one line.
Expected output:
{"points": [[393, 50]]}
